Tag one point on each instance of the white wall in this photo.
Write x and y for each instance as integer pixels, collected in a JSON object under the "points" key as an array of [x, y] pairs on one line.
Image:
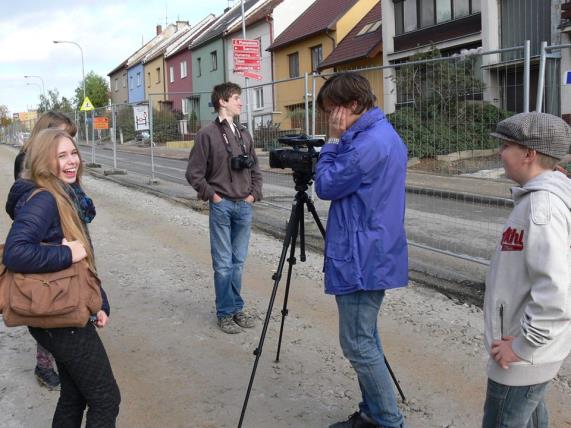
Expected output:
{"points": [[287, 12]]}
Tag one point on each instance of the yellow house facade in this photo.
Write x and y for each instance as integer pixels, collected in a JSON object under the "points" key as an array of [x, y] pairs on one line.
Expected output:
{"points": [[155, 81], [301, 47]]}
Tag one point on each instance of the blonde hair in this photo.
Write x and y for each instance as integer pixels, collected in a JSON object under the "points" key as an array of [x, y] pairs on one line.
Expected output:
{"points": [[51, 119], [43, 169]]}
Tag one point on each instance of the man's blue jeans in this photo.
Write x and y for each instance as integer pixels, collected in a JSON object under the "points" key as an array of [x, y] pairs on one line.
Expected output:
{"points": [[230, 224], [361, 345], [515, 406]]}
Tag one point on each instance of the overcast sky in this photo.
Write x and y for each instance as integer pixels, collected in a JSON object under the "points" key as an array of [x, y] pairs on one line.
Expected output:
{"points": [[107, 30]]}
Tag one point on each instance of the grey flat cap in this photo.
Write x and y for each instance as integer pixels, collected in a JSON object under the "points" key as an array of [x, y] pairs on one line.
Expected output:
{"points": [[543, 132]]}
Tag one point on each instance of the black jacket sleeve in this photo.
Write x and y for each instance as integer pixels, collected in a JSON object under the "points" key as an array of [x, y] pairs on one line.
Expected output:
{"points": [[24, 251]]}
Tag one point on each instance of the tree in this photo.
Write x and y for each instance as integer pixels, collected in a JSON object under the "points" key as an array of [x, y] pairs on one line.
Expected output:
{"points": [[96, 89], [52, 102], [5, 119]]}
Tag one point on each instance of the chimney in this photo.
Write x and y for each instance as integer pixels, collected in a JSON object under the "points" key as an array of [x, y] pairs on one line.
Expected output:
{"points": [[181, 24], [159, 29]]}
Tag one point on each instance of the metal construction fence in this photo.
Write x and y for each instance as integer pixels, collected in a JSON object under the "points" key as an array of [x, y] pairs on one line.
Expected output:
{"points": [[444, 108]]}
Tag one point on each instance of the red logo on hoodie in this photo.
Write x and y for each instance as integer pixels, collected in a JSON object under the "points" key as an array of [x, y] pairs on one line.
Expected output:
{"points": [[512, 240]]}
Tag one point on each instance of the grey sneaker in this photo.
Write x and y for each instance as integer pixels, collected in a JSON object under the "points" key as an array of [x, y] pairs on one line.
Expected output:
{"points": [[244, 319], [354, 421], [48, 378], [227, 325]]}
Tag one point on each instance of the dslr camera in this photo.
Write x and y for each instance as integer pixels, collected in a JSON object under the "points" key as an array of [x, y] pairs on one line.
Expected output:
{"points": [[240, 162], [300, 161]]}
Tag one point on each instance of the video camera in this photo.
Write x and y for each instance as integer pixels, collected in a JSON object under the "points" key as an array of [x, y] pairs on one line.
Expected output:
{"points": [[301, 161]]}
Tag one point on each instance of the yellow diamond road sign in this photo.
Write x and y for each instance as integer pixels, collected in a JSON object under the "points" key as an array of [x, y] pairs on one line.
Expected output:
{"points": [[87, 105]]}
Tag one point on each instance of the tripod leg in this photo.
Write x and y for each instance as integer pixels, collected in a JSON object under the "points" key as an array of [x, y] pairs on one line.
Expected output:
{"points": [[295, 232], [313, 212], [397, 384], [293, 221]]}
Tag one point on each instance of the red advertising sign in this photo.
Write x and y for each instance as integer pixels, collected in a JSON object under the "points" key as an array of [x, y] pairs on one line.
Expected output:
{"points": [[246, 55]]}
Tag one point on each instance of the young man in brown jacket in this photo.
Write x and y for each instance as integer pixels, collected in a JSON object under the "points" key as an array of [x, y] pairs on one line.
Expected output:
{"points": [[223, 169]]}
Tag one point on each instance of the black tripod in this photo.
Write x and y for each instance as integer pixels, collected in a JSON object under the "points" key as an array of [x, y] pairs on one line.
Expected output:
{"points": [[295, 228]]}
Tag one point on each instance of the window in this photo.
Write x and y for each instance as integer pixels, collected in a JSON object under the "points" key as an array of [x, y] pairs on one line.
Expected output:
{"points": [[214, 60], [443, 11], [198, 67], [171, 73], [259, 101], [369, 28], [410, 18], [461, 8], [184, 105], [148, 79], [426, 13], [116, 84], [293, 64], [124, 80], [131, 83], [183, 71], [316, 57], [518, 24], [259, 39], [139, 79], [158, 72], [411, 15]]}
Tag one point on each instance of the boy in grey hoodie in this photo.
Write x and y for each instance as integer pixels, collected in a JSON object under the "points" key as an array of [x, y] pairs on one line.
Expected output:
{"points": [[527, 305]]}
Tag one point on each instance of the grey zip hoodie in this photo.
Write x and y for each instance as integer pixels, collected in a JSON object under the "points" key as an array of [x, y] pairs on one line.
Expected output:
{"points": [[528, 288]]}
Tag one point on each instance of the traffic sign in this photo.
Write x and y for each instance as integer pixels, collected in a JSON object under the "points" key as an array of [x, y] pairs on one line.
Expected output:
{"points": [[87, 105], [100, 123], [246, 54], [251, 75]]}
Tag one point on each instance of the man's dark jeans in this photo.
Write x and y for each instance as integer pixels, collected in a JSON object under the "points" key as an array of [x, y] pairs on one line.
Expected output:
{"points": [[85, 374]]}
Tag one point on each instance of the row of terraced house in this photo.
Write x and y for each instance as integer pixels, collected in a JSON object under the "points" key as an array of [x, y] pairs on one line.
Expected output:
{"points": [[176, 70]]}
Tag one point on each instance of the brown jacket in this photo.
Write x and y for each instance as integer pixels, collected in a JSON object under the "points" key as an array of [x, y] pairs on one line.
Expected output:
{"points": [[209, 171]]}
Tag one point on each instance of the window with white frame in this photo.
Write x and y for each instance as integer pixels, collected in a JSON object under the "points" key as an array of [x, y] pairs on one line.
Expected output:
{"points": [[184, 105], [171, 73], [139, 79], [116, 84], [131, 83], [214, 60], [124, 80], [183, 70], [259, 98]]}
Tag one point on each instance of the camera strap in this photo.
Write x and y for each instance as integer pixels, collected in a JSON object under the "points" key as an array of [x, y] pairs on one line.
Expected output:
{"points": [[220, 127]]}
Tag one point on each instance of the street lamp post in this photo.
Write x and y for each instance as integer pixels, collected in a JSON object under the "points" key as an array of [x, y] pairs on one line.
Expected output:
{"points": [[43, 85], [36, 85], [83, 80]]}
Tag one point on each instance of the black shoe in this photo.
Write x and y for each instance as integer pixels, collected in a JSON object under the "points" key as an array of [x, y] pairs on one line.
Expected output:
{"points": [[48, 378], [354, 421]]}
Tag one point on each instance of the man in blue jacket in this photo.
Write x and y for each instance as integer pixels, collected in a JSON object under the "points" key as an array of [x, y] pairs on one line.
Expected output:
{"points": [[362, 171]]}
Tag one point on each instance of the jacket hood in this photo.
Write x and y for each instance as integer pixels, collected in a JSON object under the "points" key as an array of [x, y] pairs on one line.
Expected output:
{"points": [[552, 181], [19, 189]]}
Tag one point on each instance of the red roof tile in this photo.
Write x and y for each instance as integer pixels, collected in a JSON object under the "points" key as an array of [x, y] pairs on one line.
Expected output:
{"points": [[353, 46], [317, 18]]}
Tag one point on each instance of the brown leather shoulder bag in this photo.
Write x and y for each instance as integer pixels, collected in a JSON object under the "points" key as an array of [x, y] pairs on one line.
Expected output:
{"points": [[66, 298]]}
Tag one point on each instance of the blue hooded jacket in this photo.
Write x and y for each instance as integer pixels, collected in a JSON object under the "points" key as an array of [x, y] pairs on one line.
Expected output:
{"points": [[364, 178], [36, 222]]}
